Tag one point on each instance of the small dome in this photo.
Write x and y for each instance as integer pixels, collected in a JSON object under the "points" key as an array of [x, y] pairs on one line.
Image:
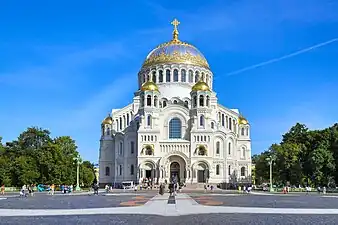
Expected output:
{"points": [[200, 86], [149, 86], [242, 120], [108, 120]]}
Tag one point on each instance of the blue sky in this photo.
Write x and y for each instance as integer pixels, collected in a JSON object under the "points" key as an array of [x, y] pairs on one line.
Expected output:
{"points": [[64, 66]]}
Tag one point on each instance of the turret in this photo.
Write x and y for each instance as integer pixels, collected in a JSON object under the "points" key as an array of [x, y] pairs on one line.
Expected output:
{"points": [[200, 95], [106, 126]]}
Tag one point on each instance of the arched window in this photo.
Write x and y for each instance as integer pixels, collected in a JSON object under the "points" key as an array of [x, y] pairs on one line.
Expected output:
{"points": [[218, 147], [149, 120], [186, 104], [108, 131], [148, 100], [207, 80], [128, 119], [243, 171], [191, 76], [132, 170], [155, 101], [208, 100], [229, 148], [183, 76], [203, 76], [175, 75], [164, 104], [197, 77], [160, 76], [149, 150], [107, 171], [217, 169], [230, 124], [121, 148], [212, 125], [167, 75], [175, 102], [175, 128], [227, 124], [202, 121], [195, 101], [120, 170], [229, 170], [247, 131], [120, 123], [124, 121], [243, 152], [148, 77], [201, 100], [242, 131], [154, 76], [132, 147], [117, 124], [202, 150], [222, 120]]}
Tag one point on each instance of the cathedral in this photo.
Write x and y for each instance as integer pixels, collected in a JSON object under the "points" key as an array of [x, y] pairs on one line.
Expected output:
{"points": [[175, 127]]}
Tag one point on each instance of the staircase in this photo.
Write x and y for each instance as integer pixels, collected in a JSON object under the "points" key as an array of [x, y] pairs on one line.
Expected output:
{"points": [[194, 186]]}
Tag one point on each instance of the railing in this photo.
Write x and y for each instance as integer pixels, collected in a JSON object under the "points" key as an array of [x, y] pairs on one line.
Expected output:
{"points": [[167, 147]]}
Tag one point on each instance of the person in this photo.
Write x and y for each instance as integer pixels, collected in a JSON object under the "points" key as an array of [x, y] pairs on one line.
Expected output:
{"points": [[3, 189], [52, 188], [96, 189], [161, 190]]}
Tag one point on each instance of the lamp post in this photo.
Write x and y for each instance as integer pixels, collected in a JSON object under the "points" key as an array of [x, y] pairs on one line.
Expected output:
{"points": [[78, 162], [270, 161]]}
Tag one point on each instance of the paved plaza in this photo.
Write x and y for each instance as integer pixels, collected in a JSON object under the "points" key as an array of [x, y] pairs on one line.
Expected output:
{"points": [[185, 208]]}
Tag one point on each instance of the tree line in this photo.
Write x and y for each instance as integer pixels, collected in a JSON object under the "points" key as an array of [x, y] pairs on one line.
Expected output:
{"points": [[303, 157], [37, 158]]}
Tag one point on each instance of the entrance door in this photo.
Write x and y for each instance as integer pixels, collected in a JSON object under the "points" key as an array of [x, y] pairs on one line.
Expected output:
{"points": [[175, 172], [201, 178], [148, 174]]}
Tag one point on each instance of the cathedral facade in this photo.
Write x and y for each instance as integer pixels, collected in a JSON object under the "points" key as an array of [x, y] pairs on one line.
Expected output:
{"points": [[175, 126]]}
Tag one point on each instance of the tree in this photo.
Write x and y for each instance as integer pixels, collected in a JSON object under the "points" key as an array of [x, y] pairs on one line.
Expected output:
{"points": [[303, 157], [36, 157]]}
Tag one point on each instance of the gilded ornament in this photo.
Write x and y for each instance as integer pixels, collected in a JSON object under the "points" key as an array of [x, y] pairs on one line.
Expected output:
{"points": [[200, 86], [108, 120], [149, 86], [242, 120], [176, 51]]}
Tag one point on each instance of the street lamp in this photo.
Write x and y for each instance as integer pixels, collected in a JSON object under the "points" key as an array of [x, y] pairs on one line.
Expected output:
{"points": [[270, 161], [78, 162]]}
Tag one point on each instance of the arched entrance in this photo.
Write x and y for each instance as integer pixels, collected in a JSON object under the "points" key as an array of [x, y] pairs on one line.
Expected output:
{"points": [[176, 166], [175, 172], [202, 172]]}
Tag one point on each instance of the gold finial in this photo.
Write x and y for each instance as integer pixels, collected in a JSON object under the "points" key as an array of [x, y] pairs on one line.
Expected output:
{"points": [[175, 23]]}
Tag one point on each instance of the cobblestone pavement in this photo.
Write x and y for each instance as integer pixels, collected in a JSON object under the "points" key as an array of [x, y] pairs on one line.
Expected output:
{"points": [[75, 201], [213, 208], [208, 219], [316, 201]]}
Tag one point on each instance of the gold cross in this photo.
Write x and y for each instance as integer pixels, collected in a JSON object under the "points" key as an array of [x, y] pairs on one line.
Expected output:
{"points": [[175, 23]]}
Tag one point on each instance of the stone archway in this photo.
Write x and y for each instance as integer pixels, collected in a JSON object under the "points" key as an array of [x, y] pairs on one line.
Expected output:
{"points": [[176, 166], [202, 172], [147, 171]]}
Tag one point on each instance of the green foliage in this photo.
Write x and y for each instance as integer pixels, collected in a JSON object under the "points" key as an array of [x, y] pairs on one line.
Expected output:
{"points": [[304, 157], [36, 158]]}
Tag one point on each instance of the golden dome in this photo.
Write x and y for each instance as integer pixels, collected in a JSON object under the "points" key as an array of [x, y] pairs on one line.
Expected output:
{"points": [[108, 120], [242, 120], [200, 86], [176, 51], [149, 86]]}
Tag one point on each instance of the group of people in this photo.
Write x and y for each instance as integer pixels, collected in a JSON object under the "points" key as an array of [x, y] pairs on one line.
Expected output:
{"points": [[28, 190]]}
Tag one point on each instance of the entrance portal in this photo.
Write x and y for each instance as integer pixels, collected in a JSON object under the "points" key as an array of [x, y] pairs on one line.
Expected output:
{"points": [[202, 173], [175, 172], [148, 174]]}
